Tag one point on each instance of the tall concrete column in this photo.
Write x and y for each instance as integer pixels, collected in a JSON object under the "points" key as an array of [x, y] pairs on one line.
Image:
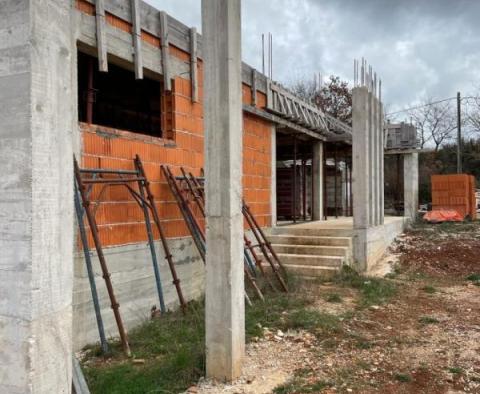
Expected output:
{"points": [[273, 183], [225, 309], [410, 182], [36, 200], [317, 172], [361, 156]]}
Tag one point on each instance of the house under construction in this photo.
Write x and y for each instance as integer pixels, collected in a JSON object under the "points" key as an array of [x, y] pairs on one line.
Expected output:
{"points": [[109, 80]]}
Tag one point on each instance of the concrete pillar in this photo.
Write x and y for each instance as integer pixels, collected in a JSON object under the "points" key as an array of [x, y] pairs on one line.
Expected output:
{"points": [[381, 164], [361, 152], [372, 148], [273, 183], [225, 309], [410, 182], [36, 200], [317, 171]]}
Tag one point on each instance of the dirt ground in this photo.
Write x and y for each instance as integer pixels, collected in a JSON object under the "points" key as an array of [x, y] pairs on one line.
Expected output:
{"points": [[425, 339]]}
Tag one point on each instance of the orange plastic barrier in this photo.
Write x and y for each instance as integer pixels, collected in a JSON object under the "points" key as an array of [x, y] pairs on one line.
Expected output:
{"points": [[443, 215], [454, 192]]}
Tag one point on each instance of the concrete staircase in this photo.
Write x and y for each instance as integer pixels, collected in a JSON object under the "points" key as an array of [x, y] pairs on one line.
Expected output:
{"points": [[312, 252]]}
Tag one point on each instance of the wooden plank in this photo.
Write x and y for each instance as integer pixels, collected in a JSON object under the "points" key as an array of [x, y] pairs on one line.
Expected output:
{"points": [[101, 36], [137, 39], [167, 82], [193, 64], [254, 87]]}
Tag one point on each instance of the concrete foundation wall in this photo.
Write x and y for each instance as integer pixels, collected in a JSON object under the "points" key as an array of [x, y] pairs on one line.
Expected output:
{"points": [[134, 285], [370, 244]]}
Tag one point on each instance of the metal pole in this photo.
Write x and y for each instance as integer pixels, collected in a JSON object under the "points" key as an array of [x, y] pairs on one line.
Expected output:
{"points": [[101, 258], [459, 135], [166, 248], [153, 253], [91, 277]]}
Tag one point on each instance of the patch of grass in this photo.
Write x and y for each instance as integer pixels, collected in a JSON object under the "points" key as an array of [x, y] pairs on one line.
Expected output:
{"points": [[402, 377], [429, 289], [288, 311], [474, 277], [301, 384], [373, 291], [173, 350], [273, 313], [334, 298], [363, 365], [318, 323], [363, 344], [455, 370], [390, 275], [428, 320]]}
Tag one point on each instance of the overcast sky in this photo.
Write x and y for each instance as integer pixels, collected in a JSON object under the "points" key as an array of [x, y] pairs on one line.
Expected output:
{"points": [[420, 48]]}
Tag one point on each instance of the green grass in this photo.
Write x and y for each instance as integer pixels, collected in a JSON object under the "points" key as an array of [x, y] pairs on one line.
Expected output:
{"points": [[302, 383], [455, 370], [402, 377], [373, 291], [429, 289], [474, 277], [174, 353], [334, 298], [428, 320], [288, 311], [173, 345]]}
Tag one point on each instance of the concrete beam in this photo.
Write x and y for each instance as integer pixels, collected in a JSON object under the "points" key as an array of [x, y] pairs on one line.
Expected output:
{"points": [[317, 163], [224, 298], [36, 199], [410, 182]]}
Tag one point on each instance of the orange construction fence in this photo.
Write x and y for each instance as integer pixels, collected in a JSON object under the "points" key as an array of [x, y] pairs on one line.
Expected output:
{"points": [[456, 191]]}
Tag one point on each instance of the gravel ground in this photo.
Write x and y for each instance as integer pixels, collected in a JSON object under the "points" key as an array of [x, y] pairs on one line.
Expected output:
{"points": [[426, 340]]}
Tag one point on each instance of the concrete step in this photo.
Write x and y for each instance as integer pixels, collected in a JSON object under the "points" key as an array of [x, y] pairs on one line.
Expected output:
{"points": [[320, 232], [310, 240], [307, 259], [312, 271], [317, 250]]}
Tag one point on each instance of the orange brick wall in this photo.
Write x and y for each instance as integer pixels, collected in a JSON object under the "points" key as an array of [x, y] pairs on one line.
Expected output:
{"points": [[257, 153], [119, 218]]}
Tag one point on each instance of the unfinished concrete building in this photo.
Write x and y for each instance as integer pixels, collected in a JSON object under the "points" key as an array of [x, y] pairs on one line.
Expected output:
{"points": [[107, 80]]}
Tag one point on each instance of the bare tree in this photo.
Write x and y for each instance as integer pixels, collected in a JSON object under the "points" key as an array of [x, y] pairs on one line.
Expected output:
{"points": [[436, 122], [473, 115], [333, 97]]}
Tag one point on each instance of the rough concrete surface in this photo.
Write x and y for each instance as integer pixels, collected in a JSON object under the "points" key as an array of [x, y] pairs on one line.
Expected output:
{"points": [[36, 206], [134, 285]]}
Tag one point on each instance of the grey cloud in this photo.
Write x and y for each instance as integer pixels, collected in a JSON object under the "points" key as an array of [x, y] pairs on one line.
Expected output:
{"points": [[419, 48]]}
